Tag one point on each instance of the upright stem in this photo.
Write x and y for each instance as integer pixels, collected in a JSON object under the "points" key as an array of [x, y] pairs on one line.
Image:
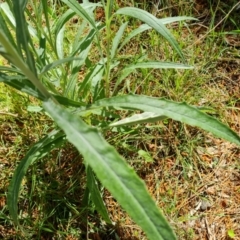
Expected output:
{"points": [[108, 50]]}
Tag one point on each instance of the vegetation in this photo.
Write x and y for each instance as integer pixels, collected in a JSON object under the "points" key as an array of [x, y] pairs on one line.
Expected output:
{"points": [[100, 88]]}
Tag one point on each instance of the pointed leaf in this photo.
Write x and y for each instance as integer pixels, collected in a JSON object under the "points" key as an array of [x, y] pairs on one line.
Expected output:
{"points": [[145, 27], [113, 172], [153, 22], [177, 111]]}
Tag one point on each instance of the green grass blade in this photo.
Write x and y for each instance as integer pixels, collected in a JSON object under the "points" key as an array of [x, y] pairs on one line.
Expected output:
{"points": [[39, 150], [117, 39], [96, 196], [156, 64], [177, 111], [45, 4], [114, 173], [153, 22]]}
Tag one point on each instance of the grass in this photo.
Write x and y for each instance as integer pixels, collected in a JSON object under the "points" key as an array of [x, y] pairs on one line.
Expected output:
{"points": [[190, 167]]}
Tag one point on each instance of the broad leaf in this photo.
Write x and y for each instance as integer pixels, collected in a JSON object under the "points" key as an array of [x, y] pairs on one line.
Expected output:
{"points": [[114, 173]]}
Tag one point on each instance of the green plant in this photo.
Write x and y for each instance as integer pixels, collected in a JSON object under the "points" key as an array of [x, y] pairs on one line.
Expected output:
{"points": [[40, 66]]}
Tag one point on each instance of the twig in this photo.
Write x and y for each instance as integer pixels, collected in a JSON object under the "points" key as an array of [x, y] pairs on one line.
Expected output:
{"points": [[10, 114]]}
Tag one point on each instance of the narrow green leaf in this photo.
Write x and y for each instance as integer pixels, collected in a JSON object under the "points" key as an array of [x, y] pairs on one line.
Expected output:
{"points": [[46, 15], [59, 43], [96, 196], [6, 29], [22, 33], [57, 63], [139, 118], [177, 111], [113, 172], [9, 69], [117, 39], [145, 27], [153, 22], [62, 20], [5, 8], [169, 20], [39, 150], [155, 64]]}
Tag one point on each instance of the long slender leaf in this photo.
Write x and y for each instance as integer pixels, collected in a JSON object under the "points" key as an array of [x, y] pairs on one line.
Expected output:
{"points": [[22, 33], [156, 64], [177, 111], [6, 30], [39, 150], [117, 39], [59, 43], [57, 63], [153, 22], [139, 118], [96, 196], [145, 27], [62, 20], [113, 172]]}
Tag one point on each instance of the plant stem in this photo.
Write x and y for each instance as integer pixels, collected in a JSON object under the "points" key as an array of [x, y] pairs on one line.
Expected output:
{"points": [[108, 53]]}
